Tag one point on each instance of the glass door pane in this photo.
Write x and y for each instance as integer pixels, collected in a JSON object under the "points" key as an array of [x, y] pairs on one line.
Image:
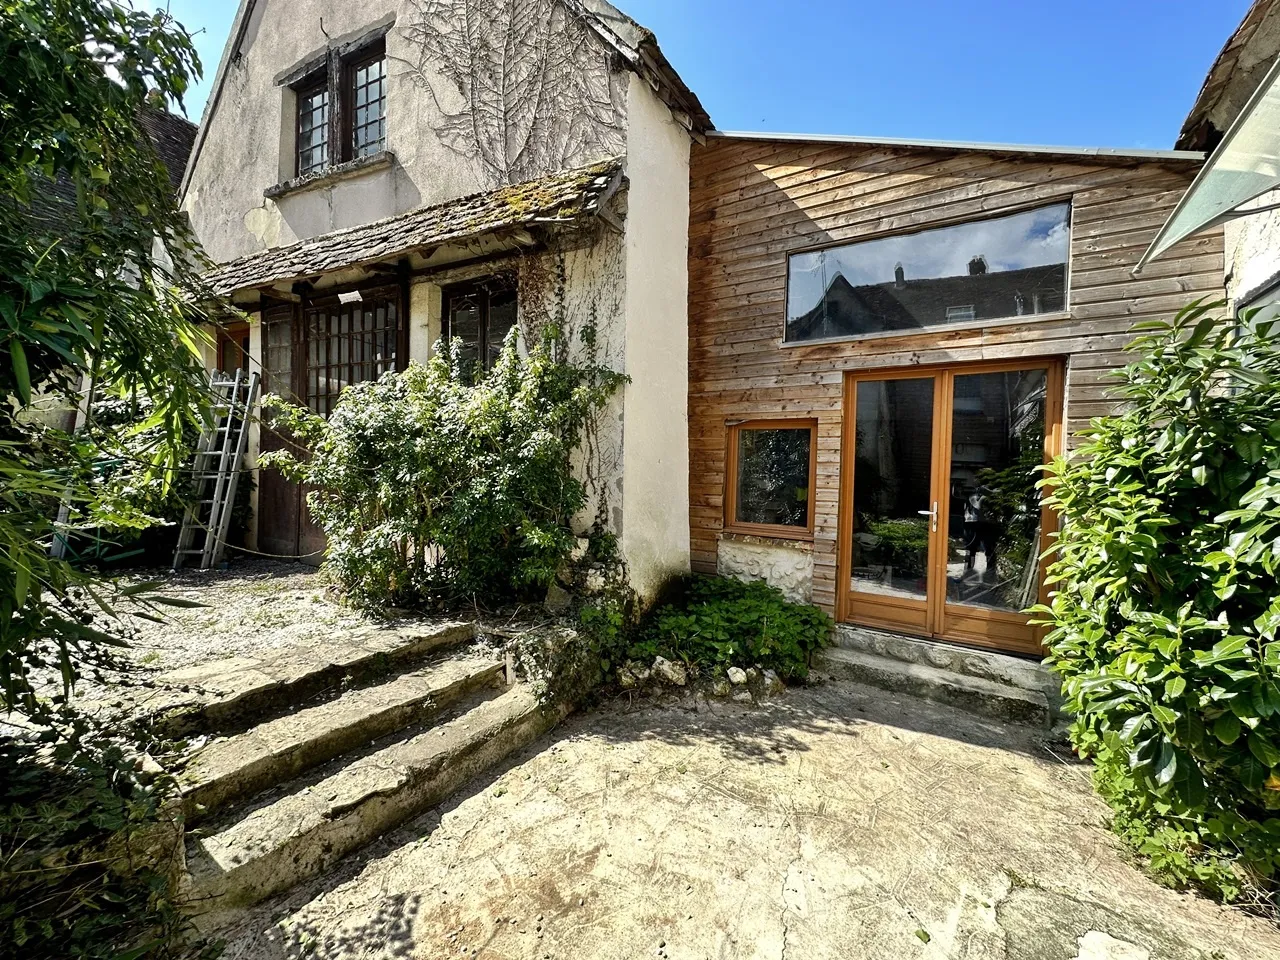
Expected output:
{"points": [[993, 526], [892, 488]]}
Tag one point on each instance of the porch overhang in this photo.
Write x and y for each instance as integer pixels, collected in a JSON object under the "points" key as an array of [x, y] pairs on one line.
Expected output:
{"points": [[507, 218], [1242, 170]]}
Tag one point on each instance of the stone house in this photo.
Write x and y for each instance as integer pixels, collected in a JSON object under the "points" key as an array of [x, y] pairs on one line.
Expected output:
{"points": [[375, 178], [846, 354]]}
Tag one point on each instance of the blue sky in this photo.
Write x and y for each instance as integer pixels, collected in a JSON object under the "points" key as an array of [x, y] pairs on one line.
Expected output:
{"points": [[1118, 73]]}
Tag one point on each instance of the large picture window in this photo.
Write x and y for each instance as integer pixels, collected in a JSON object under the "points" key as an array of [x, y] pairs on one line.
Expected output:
{"points": [[771, 465], [995, 269]]}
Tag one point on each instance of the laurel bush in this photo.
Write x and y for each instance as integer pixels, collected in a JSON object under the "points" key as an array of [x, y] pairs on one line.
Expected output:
{"points": [[1165, 616]]}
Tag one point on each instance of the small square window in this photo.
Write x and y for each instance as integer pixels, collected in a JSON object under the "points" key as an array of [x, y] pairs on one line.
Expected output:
{"points": [[771, 475]]}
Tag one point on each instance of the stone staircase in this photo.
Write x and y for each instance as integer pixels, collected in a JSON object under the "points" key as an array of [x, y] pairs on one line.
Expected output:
{"points": [[990, 684], [315, 754]]}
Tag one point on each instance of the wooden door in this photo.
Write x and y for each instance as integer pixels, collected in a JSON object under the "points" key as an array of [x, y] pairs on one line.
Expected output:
{"points": [[942, 528], [279, 500]]}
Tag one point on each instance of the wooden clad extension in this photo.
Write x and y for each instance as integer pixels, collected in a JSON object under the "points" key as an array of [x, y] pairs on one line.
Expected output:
{"points": [[755, 201]]}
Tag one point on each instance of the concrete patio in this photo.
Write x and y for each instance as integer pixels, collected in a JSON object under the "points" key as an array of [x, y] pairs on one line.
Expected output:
{"points": [[833, 822]]}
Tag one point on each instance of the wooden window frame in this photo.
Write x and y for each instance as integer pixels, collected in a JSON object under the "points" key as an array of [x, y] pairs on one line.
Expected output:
{"points": [[337, 76], [302, 94], [487, 285], [769, 530]]}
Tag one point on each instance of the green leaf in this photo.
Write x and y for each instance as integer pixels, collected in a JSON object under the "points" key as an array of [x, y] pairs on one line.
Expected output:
{"points": [[1263, 749], [1188, 784], [1227, 728], [21, 374]]}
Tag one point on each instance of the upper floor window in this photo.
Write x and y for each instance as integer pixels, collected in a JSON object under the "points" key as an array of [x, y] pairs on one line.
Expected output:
{"points": [[477, 318], [968, 273], [342, 112]]}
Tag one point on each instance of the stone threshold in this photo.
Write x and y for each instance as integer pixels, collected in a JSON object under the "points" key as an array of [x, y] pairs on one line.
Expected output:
{"points": [[992, 684]]}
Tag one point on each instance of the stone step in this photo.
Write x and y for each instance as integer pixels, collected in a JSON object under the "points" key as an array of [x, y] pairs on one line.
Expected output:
{"points": [[229, 696], [988, 698], [1026, 674], [272, 847], [231, 770]]}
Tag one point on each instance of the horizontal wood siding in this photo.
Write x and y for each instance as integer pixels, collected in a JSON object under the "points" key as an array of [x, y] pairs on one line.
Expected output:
{"points": [[754, 202]]}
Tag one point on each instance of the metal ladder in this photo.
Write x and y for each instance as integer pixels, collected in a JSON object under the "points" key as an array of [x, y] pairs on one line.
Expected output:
{"points": [[216, 469]]}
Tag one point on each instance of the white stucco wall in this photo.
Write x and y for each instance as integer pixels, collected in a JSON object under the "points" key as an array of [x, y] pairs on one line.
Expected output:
{"points": [[655, 535], [425, 306], [789, 568], [1253, 251], [248, 140]]}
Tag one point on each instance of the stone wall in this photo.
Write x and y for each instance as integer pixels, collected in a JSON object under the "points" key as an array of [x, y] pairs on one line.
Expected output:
{"points": [[788, 567]]}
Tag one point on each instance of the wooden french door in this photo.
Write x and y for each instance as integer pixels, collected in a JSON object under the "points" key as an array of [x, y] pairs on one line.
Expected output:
{"points": [[942, 528]]}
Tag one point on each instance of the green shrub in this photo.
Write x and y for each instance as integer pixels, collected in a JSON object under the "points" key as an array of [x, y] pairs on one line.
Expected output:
{"points": [[1166, 610], [720, 622], [433, 489]]}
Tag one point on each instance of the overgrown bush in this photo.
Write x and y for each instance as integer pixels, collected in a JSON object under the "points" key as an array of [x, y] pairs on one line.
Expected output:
{"points": [[1166, 609], [720, 622], [433, 489]]}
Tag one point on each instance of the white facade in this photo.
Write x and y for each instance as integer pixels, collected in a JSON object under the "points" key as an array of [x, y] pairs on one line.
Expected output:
{"points": [[628, 275]]}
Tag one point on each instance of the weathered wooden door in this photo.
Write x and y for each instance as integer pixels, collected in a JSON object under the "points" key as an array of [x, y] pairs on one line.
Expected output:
{"points": [[280, 501], [312, 351]]}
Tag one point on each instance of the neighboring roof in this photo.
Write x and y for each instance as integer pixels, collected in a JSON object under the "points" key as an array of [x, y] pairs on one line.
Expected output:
{"points": [[559, 199], [1093, 153], [906, 304], [1235, 75], [173, 137], [54, 208], [637, 46], [1244, 167]]}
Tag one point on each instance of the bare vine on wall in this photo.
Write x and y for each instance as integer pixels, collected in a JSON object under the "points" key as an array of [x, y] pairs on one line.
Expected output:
{"points": [[536, 84], [587, 325]]}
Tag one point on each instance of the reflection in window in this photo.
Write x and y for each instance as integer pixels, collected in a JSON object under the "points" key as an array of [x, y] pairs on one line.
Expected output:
{"points": [[313, 130], [772, 484], [989, 270], [998, 446], [369, 95]]}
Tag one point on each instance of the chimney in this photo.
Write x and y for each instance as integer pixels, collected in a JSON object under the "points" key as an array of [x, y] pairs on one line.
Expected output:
{"points": [[899, 277], [978, 266]]}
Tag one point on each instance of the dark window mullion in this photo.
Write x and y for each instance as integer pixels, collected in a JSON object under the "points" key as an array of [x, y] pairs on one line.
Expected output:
{"points": [[338, 150]]}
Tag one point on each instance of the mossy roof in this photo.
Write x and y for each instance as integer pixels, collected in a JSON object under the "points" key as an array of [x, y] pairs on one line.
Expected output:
{"points": [[562, 198]]}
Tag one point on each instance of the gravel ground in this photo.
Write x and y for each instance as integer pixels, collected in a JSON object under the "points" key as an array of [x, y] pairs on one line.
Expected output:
{"points": [[248, 610]]}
